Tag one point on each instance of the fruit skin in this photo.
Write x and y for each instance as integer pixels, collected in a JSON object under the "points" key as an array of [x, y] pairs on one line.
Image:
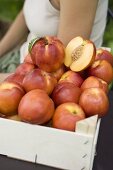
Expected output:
{"points": [[67, 115], [58, 73], [79, 54], [24, 68], [18, 78], [72, 77], [65, 92], [102, 54], [39, 79], [10, 96], [28, 59], [101, 69], [94, 101], [93, 81], [36, 107], [48, 53]]}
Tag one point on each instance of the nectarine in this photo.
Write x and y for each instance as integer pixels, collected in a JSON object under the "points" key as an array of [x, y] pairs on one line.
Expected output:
{"points": [[47, 53], [65, 92], [93, 81], [36, 107], [72, 77], [39, 79], [80, 54], [18, 78], [101, 69], [10, 96], [28, 59], [24, 68], [102, 54], [67, 115], [94, 101]]}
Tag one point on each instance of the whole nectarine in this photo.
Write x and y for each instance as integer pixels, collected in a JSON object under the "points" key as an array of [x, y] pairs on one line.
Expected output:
{"points": [[24, 68], [101, 69], [102, 54], [72, 77], [47, 53], [36, 107], [67, 115], [65, 92], [93, 81], [18, 78], [39, 79], [94, 101], [10, 96]]}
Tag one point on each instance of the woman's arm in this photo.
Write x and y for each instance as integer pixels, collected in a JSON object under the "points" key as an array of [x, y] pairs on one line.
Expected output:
{"points": [[14, 35], [76, 18]]}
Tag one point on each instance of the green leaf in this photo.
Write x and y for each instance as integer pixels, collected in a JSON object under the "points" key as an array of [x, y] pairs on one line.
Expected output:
{"points": [[32, 42]]}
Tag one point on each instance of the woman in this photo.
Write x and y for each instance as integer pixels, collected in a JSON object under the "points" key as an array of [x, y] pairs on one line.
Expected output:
{"points": [[62, 18]]}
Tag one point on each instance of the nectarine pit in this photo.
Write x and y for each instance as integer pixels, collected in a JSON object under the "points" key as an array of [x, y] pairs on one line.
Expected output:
{"points": [[77, 52]]}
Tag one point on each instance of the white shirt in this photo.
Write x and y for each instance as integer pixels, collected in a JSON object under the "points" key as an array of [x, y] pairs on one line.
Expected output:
{"points": [[43, 19]]}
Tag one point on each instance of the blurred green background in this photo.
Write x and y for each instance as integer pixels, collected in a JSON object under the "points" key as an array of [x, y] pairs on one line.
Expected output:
{"points": [[10, 8]]}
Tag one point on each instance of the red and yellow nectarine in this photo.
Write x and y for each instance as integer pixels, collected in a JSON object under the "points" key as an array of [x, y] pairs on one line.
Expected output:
{"points": [[36, 107], [65, 92], [102, 54], [67, 115], [47, 53], [93, 81], [72, 77], [10, 96], [94, 101], [39, 79], [101, 69]]}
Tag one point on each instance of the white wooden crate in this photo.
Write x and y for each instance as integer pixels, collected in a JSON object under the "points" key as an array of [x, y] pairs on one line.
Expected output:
{"points": [[48, 146]]}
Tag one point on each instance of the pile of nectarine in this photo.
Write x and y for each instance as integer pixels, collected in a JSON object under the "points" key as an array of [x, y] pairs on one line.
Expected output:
{"points": [[58, 84]]}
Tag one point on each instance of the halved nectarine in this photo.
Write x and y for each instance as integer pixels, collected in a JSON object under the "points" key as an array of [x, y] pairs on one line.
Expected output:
{"points": [[80, 54]]}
